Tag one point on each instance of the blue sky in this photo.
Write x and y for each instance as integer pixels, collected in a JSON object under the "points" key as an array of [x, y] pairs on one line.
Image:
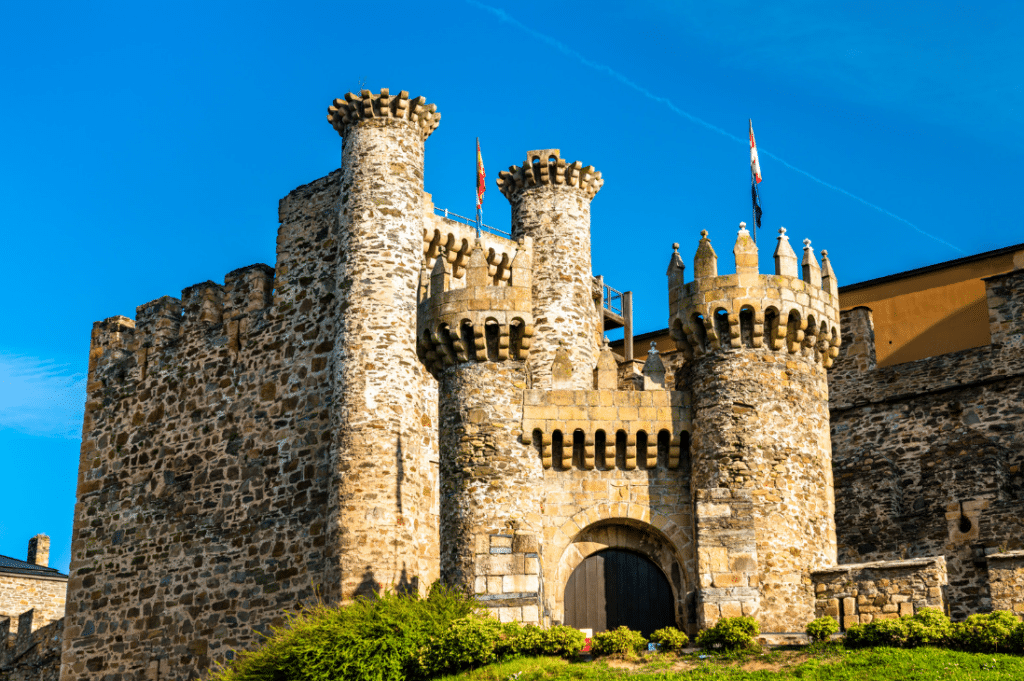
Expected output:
{"points": [[146, 146]]}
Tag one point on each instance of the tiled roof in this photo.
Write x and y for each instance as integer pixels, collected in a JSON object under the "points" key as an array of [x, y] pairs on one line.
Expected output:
{"points": [[19, 567]]}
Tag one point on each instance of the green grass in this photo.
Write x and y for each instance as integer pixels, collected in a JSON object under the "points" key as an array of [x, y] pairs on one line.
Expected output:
{"points": [[823, 663]]}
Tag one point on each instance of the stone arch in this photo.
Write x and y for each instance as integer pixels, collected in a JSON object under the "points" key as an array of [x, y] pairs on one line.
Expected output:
{"points": [[619, 526]]}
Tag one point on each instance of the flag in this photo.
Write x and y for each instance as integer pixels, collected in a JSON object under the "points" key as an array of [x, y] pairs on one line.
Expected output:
{"points": [[755, 167], [479, 177], [757, 203]]}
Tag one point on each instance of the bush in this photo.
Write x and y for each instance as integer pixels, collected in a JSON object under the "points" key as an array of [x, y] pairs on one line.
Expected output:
{"points": [[822, 628], [563, 641], [621, 641], [989, 633], [928, 627], [467, 643], [891, 632], [670, 638], [729, 633], [377, 638]]}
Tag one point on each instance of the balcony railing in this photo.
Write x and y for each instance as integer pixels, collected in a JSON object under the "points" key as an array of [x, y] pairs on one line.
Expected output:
{"points": [[448, 215], [612, 300]]}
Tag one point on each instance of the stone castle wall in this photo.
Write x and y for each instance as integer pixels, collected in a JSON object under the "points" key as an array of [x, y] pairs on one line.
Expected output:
{"points": [[928, 454], [31, 656]]}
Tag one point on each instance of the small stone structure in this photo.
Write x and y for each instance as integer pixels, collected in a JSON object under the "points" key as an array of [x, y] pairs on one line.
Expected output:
{"points": [[1006, 581], [862, 593], [403, 399]]}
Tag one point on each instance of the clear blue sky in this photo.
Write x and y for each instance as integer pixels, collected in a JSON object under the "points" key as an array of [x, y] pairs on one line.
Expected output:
{"points": [[146, 146]]}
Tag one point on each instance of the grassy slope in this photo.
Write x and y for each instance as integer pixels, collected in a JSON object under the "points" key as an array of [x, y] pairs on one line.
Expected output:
{"points": [[878, 664]]}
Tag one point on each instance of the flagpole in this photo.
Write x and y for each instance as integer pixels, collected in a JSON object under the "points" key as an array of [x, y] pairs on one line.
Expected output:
{"points": [[753, 208]]}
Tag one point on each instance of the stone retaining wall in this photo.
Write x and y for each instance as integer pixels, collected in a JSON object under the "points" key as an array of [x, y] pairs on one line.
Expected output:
{"points": [[1006, 581], [864, 592]]}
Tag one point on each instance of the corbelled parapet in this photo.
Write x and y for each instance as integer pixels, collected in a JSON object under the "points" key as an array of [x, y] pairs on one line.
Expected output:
{"points": [[547, 167], [780, 311], [551, 203], [480, 317], [367, 106]]}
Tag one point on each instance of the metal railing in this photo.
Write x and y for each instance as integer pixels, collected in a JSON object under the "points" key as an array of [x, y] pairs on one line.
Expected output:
{"points": [[612, 300], [455, 217]]}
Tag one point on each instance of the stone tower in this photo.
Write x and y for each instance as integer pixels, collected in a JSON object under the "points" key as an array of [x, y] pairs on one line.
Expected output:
{"points": [[551, 203], [475, 335], [379, 402], [757, 348]]}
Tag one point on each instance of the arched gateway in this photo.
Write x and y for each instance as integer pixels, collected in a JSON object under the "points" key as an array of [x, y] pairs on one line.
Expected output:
{"points": [[614, 588]]}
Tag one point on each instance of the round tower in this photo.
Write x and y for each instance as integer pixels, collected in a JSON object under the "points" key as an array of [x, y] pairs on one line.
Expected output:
{"points": [[551, 203], [757, 348], [378, 404], [475, 334]]}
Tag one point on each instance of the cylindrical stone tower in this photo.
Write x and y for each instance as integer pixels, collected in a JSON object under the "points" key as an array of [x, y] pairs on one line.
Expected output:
{"points": [[757, 348], [475, 339], [378, 511], [551, 203]]}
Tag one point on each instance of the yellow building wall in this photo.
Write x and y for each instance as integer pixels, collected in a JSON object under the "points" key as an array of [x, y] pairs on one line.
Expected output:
{"points": [[931, 313]]}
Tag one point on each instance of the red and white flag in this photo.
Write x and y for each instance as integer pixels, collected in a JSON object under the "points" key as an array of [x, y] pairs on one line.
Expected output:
{"points": [[755, 167], [479, 176]]}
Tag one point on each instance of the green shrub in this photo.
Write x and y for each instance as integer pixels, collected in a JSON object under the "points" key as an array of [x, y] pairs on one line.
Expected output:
{"points": [[377, 638], [822, 628], [467, 643], [928, 627], [729, 633], [670, 638], [563, 641], [621, 641], [988, 633], [890, 632]]}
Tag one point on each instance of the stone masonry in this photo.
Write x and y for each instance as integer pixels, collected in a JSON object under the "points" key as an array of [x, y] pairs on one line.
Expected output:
{"points": [[31, 586], [402, 399]]}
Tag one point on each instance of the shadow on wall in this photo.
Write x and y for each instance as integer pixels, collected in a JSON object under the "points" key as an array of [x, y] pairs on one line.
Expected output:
{"points": [[945, 336], [369, 587]]}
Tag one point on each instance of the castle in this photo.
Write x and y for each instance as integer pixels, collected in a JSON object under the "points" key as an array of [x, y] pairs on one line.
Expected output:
{"points": [[403, 399]]}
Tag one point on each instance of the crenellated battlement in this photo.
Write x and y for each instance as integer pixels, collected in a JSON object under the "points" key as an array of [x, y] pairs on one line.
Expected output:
{"points": [[368, 106], [782, 311], [547, 167], [485, 316], [455, 240], [218, 313]]}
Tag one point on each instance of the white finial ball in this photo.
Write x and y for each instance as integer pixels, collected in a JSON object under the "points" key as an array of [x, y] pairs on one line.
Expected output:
{"points": [[807, 243], [782, 230], [675, 246]]}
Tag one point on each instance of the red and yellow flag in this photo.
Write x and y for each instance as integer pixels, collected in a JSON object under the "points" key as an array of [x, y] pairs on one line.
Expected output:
{"points": [[479, 176]]}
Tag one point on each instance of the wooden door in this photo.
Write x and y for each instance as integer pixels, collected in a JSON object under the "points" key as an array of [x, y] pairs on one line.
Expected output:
{"points": [[616, 588]]}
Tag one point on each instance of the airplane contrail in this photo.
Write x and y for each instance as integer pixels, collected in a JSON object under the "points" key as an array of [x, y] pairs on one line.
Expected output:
{"points": [[607, 70]]}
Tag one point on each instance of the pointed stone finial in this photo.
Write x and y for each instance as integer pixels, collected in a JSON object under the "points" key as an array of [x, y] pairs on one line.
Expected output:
{"points": [[785, 258], [676, 268], [607, 368], [828, 276], [812, 272], [654, 370], [561, 369], [441, 275], [476, 269], [705, 263], [745, 252]]}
